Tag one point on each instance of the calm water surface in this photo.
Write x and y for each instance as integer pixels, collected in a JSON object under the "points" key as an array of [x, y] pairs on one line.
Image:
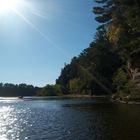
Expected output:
{"points": [[68, 119]]}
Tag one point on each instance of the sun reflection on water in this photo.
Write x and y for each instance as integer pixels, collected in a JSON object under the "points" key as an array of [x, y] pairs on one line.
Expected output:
{"points": [[12, 122], [7, 123]]}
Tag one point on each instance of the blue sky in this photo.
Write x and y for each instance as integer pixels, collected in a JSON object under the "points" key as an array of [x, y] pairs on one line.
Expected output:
{"points": [[39, 36]]}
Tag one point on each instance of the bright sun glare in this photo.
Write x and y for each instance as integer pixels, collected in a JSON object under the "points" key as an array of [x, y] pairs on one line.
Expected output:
{"points": [[6, 5], [17, 7]]}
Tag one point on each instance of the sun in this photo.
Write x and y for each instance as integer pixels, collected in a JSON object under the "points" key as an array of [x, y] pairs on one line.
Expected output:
{"points": [[6, 5]]}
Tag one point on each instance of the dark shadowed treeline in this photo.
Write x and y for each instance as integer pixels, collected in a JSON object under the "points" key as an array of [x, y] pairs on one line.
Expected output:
{"points": [[111, 64], [11, 90]]}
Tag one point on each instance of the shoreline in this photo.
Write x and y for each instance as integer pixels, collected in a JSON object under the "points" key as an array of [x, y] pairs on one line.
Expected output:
{"points": [[125, 102], [78, 96], [83, 96]]}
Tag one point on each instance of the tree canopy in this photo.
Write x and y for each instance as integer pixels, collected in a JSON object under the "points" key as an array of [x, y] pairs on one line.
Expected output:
{"points": [[106, 65], [13, 90]]}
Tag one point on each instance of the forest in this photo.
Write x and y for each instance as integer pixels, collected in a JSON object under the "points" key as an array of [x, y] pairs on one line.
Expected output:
{"points": [[12, 90], [111, 63]]}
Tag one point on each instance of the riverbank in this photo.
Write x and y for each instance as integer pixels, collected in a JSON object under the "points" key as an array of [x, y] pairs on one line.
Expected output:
{"points": [[118, 100], [126, 100], [78, 96], [82, 96]]}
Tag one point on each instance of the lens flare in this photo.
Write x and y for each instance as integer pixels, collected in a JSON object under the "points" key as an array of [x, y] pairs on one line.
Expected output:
{"points": [[6, 5]]}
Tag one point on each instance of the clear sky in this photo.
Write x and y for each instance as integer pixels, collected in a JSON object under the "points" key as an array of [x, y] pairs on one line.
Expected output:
{"points": [[38, 36]]}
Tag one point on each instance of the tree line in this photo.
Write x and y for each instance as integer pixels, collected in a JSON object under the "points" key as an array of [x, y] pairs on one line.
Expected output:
{"points": [[13, 90], [111, 64]]}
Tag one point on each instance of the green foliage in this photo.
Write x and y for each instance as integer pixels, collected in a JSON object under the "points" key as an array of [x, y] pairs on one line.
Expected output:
{"points": [[123, 32], [17, 90], [104, 12], [50, 90], [120, 79], [124, 83], [104, 65], [96, 62], [74, 86], [70, 71]]}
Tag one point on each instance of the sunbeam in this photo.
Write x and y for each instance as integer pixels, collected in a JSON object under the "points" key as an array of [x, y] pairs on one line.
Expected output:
{"points": [[16, 6], [51, 42]]}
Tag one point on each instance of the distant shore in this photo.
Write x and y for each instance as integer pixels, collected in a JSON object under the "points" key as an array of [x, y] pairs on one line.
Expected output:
{"points": [[59, 96], [74, 96]]}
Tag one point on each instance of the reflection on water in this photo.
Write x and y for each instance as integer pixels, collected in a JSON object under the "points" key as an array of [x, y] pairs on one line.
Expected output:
{"points": [[12, 121], [68, 119]]}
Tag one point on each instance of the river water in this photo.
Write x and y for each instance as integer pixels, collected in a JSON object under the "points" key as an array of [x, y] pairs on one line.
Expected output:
{"points": [[68, 119]]}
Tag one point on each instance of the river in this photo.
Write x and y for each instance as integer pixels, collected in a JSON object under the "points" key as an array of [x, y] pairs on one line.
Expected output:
{"points": [[67, 119]]}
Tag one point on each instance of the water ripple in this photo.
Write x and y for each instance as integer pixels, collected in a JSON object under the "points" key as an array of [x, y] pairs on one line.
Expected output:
{"points": [[54, 120]]}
